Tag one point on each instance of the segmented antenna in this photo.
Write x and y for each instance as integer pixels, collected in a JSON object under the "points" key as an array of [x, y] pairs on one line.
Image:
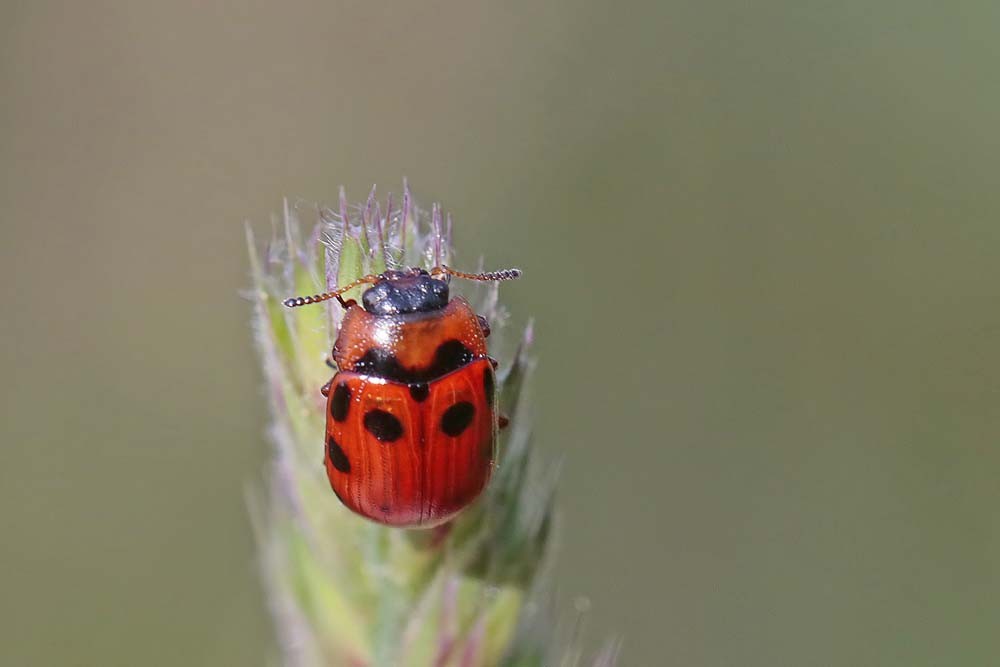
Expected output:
{"points": [[503, 274], [295, 301]]}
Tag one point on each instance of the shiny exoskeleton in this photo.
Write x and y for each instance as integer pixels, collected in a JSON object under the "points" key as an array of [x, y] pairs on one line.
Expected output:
{"points": [[412, 417]]}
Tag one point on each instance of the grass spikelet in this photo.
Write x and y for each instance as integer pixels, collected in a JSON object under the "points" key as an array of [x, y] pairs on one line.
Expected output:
{"points": [[345, 591]]}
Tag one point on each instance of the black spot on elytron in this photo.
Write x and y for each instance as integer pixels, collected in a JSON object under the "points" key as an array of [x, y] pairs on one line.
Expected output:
{"points": [[337, 456], [383, 425], [340, 404], [457, 418], [489, 385], [449, 356], [420, 391]]}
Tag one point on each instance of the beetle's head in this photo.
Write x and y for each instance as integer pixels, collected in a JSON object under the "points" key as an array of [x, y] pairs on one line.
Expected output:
{"points": [[411, 290]]}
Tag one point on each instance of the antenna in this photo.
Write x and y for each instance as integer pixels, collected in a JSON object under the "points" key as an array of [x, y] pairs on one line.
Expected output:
{"points": [[503, 274], [295, 301]]}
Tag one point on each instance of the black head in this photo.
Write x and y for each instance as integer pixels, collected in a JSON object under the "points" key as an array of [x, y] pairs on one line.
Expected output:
{"points": [[408, 291]]}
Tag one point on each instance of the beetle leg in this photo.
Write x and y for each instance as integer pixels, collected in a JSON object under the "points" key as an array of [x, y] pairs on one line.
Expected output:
{"points": [[484, 325], [503, 422]]}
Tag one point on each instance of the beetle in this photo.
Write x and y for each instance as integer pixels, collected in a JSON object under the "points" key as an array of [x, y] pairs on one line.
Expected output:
{"points": [[412, 416]]}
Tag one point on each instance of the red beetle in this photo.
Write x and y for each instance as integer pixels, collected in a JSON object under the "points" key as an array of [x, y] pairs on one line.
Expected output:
{"points": [[411, 424]]}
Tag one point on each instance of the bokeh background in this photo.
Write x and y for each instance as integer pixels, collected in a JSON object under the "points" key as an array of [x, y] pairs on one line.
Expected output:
{"points": [[761, 247]]}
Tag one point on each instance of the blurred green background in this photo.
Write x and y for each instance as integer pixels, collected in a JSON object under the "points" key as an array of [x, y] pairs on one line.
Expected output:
{"points": [[760, 241]]}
